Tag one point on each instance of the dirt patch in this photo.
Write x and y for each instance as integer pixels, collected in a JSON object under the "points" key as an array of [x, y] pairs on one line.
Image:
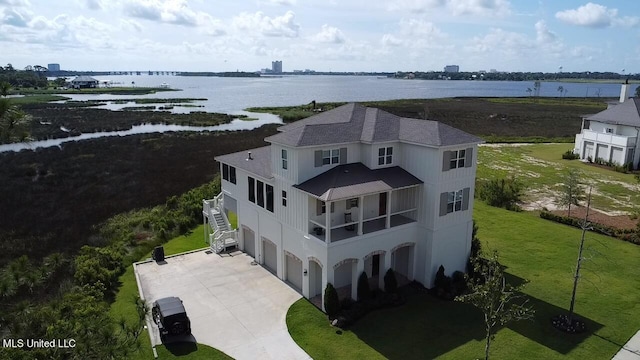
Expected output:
{"points": [[595, 216]]}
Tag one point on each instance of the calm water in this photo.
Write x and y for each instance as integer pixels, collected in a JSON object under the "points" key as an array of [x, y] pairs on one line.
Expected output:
{"points": [[233, 95]]}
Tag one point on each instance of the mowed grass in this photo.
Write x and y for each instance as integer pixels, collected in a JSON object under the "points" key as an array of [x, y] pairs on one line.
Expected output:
{"points": [[541, 168], [124, 308], [531, 248]]}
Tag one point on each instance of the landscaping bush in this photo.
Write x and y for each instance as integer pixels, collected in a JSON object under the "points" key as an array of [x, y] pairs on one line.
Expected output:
{"points": [[569, 155], [630, 235], [390, 282], [331, 301], [363, 287], [505, 193]]}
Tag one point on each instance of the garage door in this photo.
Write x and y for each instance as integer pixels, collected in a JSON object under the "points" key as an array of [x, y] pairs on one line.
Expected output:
{"points": [[294, 272], [601, 152], [249, 242], [401, 265], [588, 150], [270, 256], [617, 155]]}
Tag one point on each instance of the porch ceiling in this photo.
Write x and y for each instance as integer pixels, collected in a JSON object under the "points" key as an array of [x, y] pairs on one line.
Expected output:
{"points": [[353, 180]]}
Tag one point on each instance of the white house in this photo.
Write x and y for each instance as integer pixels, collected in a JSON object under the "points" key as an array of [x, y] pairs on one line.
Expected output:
{"points": [[612, 134], [349, 190]]}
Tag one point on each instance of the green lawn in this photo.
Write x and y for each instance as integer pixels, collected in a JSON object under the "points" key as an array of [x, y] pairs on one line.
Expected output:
{"points": [[531, 248], [123, 307], [541, 168]]}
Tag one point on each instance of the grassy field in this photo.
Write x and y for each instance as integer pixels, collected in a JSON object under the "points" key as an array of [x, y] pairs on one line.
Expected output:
{"points": [[37, 99], [123, 307], [541, 167], [101, 90], [531, 248]]}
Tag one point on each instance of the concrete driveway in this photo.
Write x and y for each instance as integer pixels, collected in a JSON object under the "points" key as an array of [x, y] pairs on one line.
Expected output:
{"points": [[234, 306]]}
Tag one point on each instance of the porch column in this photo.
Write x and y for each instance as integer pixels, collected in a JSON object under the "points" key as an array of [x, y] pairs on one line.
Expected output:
{"points": [[357, 268], [327, 222], [305, 278], [385, 265], [204, 228], [327, 277], [360, 215], [388, 222]]}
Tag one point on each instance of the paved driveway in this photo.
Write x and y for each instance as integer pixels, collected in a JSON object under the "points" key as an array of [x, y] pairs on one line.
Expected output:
{"points": [[234, 306]]}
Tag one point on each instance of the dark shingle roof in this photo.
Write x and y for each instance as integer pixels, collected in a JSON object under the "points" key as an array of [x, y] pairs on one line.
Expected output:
{"points": [[626, 113], [355, 123], [84, 78], [259, 165], [352, 180]]}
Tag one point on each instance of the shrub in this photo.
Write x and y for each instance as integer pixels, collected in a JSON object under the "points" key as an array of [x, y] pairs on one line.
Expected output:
{"points": [[590, 159], [331, 301], [569, 155], [363, 287], [630, 235], [390, 282], [504, 193], [441, 278]]}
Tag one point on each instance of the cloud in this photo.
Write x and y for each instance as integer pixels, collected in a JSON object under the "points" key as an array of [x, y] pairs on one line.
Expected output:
{"points": [[390, 40], [498, 41], [16, 16], [128, 25], [280, 26], [415, 33], [543, 34], [279, 2], [330, 34], [167, 11], [456, 7], [94, 4], [596, 16]]}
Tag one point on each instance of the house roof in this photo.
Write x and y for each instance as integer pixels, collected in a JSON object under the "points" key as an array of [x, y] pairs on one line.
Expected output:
{"points": [[84, 78], [259, 165], [353, 180], [356, 123], [626, 113]]}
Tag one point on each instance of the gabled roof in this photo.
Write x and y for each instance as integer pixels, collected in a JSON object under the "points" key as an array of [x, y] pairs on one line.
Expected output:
{"points": [[353, 180], [259, 164], [626, 113], [356, 123], [84, 78]]}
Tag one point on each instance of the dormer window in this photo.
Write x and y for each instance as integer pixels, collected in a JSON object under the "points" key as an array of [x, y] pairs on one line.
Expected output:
{"points": [[385, 155], [330, 156], [609, 131]]}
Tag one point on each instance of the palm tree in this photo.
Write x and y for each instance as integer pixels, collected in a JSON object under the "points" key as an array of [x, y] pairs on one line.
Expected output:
{"points": [[14, 123], [4, 88]]}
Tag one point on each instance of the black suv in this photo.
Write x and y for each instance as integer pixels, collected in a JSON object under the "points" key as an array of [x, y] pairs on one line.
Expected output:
{"points": [[171, 317]]}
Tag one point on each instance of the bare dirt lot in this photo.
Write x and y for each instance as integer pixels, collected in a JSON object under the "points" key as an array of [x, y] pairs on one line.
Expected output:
{"points": [[620, 222]]}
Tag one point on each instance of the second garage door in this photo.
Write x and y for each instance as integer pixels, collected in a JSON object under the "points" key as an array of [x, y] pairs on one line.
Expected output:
{"points": [[270, 256], [249, 242]]}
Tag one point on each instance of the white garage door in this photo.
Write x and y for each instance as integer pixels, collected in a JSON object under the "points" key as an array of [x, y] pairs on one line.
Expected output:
{"points": [[588, 150], [601, 152], [617, 155], [270, 256], [294, 272], [249, 242]]}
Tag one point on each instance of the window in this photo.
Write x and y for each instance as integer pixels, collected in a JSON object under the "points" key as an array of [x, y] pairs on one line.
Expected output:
{"points": [[229, 173], [269, 193], [609, 131], [252, 189], [457, 159], [454, 201], [385, 155], [351, 203], [284, 159], [284, 198], [321, 207], [260, 193], [330, 156]]}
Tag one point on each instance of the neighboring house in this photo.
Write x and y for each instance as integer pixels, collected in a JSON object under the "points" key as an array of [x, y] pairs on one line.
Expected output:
{"points": [[349, 190], [612, 134], [82, 82]]}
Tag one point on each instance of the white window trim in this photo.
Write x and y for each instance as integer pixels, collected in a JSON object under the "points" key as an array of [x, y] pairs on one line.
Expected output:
{"points": [[284, 156], [454, 201], [387, 155], [330, 157], [457, 159]]}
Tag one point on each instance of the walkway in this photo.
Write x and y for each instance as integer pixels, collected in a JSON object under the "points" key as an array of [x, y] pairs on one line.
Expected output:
{"points": [[630, 350]]}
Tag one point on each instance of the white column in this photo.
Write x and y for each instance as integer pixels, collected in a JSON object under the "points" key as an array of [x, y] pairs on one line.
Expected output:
{"points": [[384, 266], [327, 221], [388, 222], [327, 277], [306, 279], [360, 215], [356, 269]]}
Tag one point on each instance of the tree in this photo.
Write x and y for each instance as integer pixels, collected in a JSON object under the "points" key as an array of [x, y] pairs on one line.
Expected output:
{"points": [[571, 192], [494, 297], [14, 124], [390, 282], [364, 292], [331, 300], [638, 91], [505, 192]]}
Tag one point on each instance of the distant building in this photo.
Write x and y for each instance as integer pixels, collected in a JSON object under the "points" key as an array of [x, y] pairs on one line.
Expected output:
{"points": [[276, 67], [493, 71], [452, 69], [82, 82], [53, 67]]}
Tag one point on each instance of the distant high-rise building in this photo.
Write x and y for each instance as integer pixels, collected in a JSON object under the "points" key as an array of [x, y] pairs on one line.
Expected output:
{"points": [[53, 67], [276, 67], [452, 69]]}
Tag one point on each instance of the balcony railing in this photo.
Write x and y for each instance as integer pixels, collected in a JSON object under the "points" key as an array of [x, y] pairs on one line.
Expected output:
{"points": [[607, 138]]}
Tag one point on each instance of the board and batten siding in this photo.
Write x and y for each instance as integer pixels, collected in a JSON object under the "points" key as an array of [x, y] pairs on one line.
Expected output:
{"points": [[306, 160]]}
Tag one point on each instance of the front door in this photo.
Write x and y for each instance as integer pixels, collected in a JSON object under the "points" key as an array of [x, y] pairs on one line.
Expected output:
{"points": [[375, 265], [383, 204]]}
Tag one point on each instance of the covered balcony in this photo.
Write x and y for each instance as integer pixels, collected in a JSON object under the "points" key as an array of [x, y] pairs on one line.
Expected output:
{"points": [[608, 138], [352, 200]]}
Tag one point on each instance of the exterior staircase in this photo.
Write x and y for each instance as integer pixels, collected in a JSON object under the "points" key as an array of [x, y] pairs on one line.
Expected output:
{"points": [[220, 234]]}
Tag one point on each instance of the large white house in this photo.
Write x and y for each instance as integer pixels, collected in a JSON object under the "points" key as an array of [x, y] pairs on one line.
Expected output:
{"points": [[349, 190], [612, 134]]}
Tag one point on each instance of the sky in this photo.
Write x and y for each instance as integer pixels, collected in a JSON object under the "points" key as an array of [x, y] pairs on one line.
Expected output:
{"points": [[323, 35]]}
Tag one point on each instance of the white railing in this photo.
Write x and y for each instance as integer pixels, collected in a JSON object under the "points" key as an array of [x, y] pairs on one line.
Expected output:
{"points": [[607, 138], [218, 240]]}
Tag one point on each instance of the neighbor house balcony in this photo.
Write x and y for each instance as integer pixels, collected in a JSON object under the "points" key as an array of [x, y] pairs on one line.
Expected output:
{"points": [[608, 138]]}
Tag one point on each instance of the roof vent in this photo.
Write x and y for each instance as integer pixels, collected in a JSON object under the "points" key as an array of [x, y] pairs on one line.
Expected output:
{"points": [[346, 171], [249, 156]]}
